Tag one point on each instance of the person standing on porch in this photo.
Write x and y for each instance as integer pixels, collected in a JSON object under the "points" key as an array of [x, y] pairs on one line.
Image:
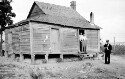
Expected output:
{"points": [[80, 41], [83, 42], [108, 48]]}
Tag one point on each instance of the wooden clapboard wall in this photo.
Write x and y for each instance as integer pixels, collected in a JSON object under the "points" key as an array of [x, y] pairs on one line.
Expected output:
{"points": [[69, 41], [41, 38], [92, 39], [8, 41], [15, 40], [36, 11], [25, 39]]}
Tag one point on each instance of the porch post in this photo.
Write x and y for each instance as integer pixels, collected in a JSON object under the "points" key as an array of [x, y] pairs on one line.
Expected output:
{"points": [[46, 57], [78, 40], [61, 56], [21, 57], [99, 40], [6, 54]]}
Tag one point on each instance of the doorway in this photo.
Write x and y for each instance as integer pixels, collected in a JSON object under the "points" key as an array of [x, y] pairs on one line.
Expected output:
{"points": [[82, 41], [55, 40], [81, 31]]}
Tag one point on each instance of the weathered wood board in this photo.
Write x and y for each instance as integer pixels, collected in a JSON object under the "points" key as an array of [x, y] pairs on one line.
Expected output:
{"points": [[92, 39], [36, 11], [69, 40], [48, 39], [8, 41], [41, 38], [17, 39], [25, 42]]}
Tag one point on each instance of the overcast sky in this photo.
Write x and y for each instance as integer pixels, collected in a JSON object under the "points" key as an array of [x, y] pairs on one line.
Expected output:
{"points": [[108, 14]]}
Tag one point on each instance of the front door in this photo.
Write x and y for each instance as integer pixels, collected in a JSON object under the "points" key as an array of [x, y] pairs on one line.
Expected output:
{"points": [[55, 40], [82, 41]]}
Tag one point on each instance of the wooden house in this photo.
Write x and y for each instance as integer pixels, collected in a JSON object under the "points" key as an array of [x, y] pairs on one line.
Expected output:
{"points": [[51, 29]]}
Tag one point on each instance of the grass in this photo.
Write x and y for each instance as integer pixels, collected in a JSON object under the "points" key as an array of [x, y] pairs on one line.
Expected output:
{"points": [[42, 74], [1, 76], [119, 50], [36, 76]]}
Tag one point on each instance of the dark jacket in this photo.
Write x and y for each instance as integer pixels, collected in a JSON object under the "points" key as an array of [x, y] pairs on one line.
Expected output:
{"points": [[108, 48]]}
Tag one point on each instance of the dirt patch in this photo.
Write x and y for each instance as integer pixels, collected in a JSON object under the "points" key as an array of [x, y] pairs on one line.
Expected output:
{"points": [[85, 69]]}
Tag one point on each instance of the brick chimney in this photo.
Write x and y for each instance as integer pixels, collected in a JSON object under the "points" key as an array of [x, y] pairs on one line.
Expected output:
{"points": [[92, 18], [73, 5]]}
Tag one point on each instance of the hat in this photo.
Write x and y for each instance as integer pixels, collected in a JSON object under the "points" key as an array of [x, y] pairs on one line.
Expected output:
{"points": [[107, 40]]}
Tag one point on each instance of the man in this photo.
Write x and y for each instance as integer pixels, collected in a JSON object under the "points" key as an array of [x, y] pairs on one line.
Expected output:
{"points": [[82, 39], [84, 43], [108, 49]]}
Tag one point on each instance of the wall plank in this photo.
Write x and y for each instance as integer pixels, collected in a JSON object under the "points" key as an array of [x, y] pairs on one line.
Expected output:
{"points": [[25, 42], [36, 11], [41, 37], [17, 39], [69, 41], [92, 39]]}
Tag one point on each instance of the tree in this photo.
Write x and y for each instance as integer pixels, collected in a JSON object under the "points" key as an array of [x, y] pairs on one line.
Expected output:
{"points": [[6, 15]]}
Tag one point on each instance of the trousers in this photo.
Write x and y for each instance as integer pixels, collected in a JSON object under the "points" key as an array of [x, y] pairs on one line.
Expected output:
{"points": [[107, 58], [82, 46]]}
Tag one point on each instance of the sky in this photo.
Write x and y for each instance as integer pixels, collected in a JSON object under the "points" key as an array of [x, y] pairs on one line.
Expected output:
{"points": [[108, 14]]}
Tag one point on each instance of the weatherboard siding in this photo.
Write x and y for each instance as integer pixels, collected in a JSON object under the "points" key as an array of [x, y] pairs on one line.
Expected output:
{"points": [[92, 40], [41, 38], [69, 41], [8, 41], [25, 42], [15, 42], [36, 11], [24, 39], [17, 39]]}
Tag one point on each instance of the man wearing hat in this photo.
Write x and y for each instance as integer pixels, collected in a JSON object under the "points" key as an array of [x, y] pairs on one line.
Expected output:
{"points": [[108, 49]]}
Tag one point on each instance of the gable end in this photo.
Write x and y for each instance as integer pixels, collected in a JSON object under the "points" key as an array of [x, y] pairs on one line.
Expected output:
{"points": [[35, 10]]}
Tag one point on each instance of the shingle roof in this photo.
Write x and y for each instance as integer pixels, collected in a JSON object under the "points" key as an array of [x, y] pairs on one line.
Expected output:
{"points": [[64, 21], [57, 10], [61, 15]]}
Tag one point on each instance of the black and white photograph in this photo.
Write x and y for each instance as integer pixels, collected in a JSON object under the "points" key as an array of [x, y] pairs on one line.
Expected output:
{"points": [[62, 39]]}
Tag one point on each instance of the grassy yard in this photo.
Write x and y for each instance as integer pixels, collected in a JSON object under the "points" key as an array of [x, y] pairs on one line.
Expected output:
{"points": [[85, 69]]}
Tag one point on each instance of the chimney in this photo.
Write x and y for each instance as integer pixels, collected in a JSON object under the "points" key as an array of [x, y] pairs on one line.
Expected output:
{"points": [[92, 18], [73, 5]]}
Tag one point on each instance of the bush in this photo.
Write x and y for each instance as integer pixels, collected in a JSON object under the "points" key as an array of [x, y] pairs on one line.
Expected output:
{"points": [[119, 50], [36, 74]]}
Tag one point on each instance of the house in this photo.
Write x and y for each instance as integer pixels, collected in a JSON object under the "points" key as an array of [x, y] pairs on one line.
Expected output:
{"points": [[51, 29]]}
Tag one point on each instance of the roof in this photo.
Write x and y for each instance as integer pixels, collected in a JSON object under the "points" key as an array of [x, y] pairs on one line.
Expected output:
{"points": [[61, 20], [57, 10], [61, 15]]}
